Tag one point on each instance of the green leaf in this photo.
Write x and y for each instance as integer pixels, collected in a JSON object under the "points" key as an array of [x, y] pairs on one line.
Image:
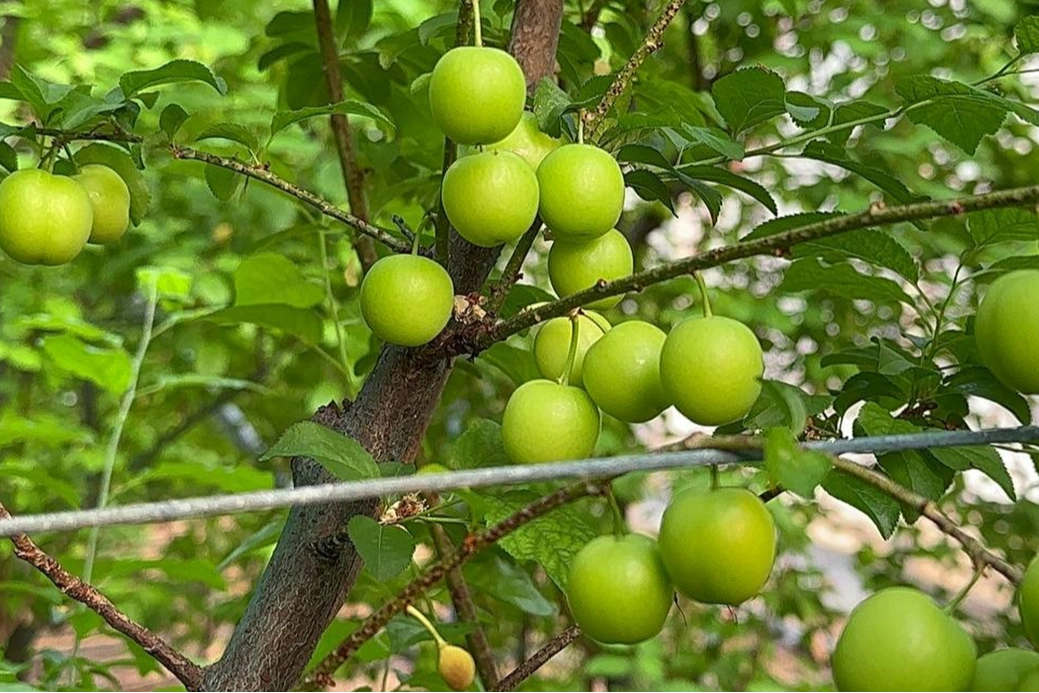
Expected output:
{"points": [[272, 278], [550, 541], [172, 117], [352, 18], [517, 364], [957, 112], [283, 119], [509, 583], [851, 112], [341, 455], [442, 25], [749, 96], [876, 421], [123, 164], [303, 323], [715, 139], [170, 283], [917, 472], [871, 245], [778, 405], [991, 226], [8, 157], [172, 72], [643, 154], [386, 550], [222, 182], [263, 537], [836, 156], [881, 508], [479, 446], [550, 102], [40, 94], [871, 387], [842, 280], [42, 428], [979, 382], [810, 112], [232, 132], [725, 177], [649, 187], [79, 108], [981, 457], [790, 467], [109, 369], [1027, 34]]}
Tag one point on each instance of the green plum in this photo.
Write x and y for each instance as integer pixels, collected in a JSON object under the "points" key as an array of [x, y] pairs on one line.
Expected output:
{"points": [[552, 344], [621, 372], [1003, 670], [44, 219], [490, 198], [1007, 330], [1028, 601], [574, 267], [526, 140], [582, 192], [407, 299], [477, 94], [548, 422], [110, 199]]}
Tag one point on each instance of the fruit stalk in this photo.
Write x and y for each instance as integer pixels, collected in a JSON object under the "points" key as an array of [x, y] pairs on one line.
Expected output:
{"points": [[571, 354], [703, 294]]}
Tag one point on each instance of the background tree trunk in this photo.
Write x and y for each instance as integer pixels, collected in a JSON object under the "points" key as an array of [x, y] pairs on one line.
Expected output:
{"points": [[311, 573]]}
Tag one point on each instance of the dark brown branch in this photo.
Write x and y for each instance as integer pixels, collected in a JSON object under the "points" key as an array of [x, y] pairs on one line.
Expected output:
{"points": [[262, 173], [535, 38], [538, 659], [353, 175], [513, 268], [186, 671], [8, 44], [650, 44], [472, 544]]}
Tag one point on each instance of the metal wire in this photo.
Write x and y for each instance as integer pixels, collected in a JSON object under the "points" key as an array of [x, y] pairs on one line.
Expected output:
{"points": [[184, 508]]}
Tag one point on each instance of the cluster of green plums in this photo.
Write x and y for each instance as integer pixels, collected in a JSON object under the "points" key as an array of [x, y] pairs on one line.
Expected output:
{"points": [[900, 640], [47, 219], [715, 546]]}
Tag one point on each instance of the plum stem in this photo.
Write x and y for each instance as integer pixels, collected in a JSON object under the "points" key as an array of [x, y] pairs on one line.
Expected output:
{"points": [[415, 242], [715, 483], [571, 354], [421, 618], [619, 525], [707, 312], [477, 28], [580, 128], [958, 599]]}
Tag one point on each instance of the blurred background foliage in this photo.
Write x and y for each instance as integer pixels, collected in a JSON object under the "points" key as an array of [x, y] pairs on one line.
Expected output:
{"points": [[213, 396]]}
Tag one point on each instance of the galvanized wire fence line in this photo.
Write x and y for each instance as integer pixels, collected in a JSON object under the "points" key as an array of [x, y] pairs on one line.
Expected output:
{"points": [[206, 506]]}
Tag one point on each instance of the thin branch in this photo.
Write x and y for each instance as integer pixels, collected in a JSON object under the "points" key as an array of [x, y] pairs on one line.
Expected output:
{"points": [[253, 501], [262, 173], [513, 268], [353, 175], [186, 671], [473, 543], [650, 44], [977, 551], [778, 244], [538, 659], [91, 136], [8, 44]]}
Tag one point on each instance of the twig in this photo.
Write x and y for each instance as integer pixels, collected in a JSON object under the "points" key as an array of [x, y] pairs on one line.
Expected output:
{"points": [[462, 599], [650, 44], [252, 501], [473, 543], [876, 215], [353, 175], [538, 659], [91, 136], [513, 268], [977, 551], [262, 173], [186, 671]]}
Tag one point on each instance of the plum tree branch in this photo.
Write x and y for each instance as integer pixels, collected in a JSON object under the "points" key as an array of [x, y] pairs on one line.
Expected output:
{"points": [[513, 268], [479, 336], [471, 545], [186, 671], [263, 173], [537, 660], [652, 42]]}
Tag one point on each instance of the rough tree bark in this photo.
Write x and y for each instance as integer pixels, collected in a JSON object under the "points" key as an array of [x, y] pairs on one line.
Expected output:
{"points": [[311, 572]]}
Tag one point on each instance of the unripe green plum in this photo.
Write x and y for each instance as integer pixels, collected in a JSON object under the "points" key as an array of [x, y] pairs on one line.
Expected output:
{"points": [[711, 368], [1028, 601], [622, 372], [574, 267], [719, 545], [899, 640], [552, 344], [618, 590], [1029, 681], [526, 140], [548, 422], [477, 94], [44, 219], [1007, 330], [407, 299], [1003, 670], [582, 192], [110, 199], [490, 198]]}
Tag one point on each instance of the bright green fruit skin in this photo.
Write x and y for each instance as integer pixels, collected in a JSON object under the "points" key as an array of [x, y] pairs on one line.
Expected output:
{"points": [[490, 198], [622, 372], [526, 141], [711, 369], [552, 345], [573, 267], [1028, 601], [548, 422], [407, 299], [899, 640], [1007, 330], [718, 545], [582, 192], [1029, 681], [44, 219], [432, 468], [110, 199], [477, 94], [618, 591], [1003, 670]]}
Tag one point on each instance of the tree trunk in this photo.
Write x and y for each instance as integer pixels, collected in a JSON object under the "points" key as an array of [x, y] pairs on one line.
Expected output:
{"points": [[311, 573]]}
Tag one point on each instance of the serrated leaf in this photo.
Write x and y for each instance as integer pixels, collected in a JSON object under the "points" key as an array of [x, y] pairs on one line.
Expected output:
{"points": [[649, 187], [842, 280], [79, 108], [979, 382], [873, 420], [8, 157], [871, 387], [881, 508], [172, 72], [992, 226], [790, 222], [643, 154], [955, 111], [837, 156], [873, 246], [511, 584], [263, 537], [285, 50], [778, 405], [479, 446], [981, 457], [517, 364], [108, 368], [917, 472], [550, 102], [353, 18], [272, 278], [232, 132], [808, 111], [725, 177], [172, 117], [283, 119], [792, 468], [716, 139], [1012, 264], [1027, 34], [437, 25], [123, 164], [40, 94], [852, 112], [386, 550], [341, 455], [300, 322], [749, 96]]}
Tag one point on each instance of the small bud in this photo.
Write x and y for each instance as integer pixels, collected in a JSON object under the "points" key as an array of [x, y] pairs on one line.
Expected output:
{"points": [[457, 667]]}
